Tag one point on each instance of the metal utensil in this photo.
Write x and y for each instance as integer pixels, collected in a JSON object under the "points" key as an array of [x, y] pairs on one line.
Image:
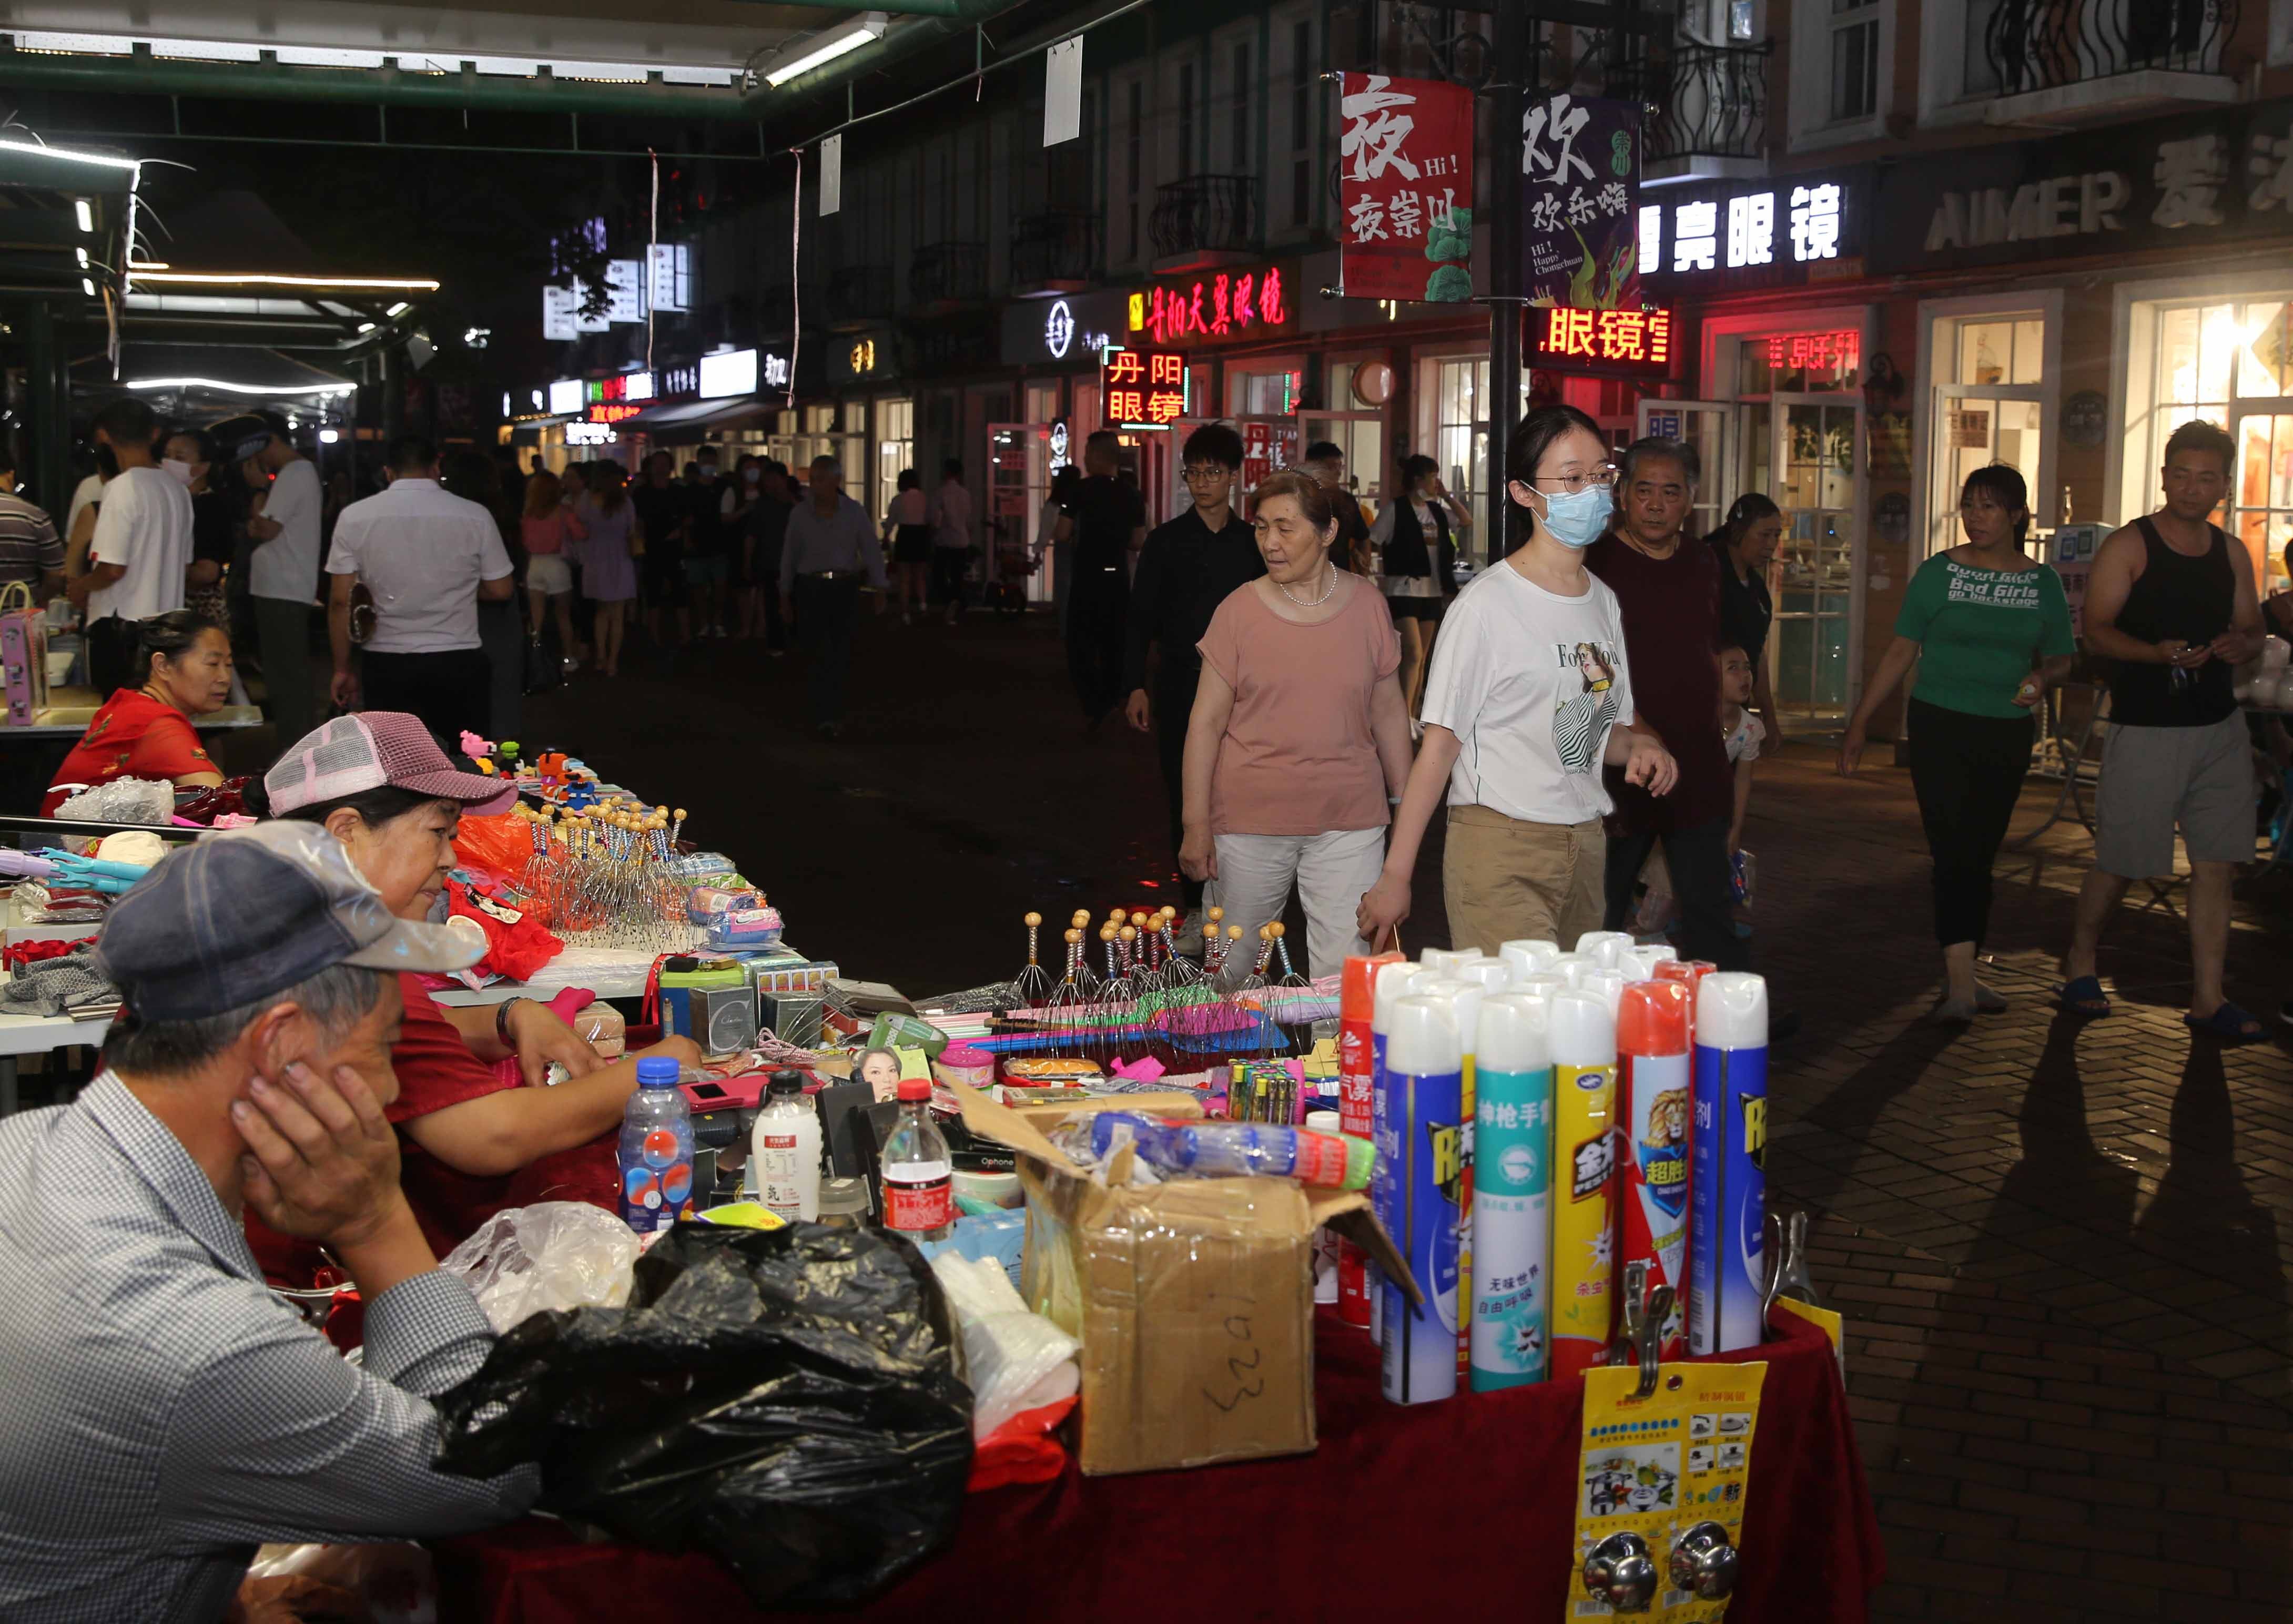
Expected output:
{"points": [[1620, 1571]]}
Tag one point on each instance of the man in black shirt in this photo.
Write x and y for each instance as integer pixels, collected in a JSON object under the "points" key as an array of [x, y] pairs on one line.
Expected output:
{"points": [[1110, 524], [661, 509], [1186, 571], [707, 554], [765, 534], [1325, 460]]}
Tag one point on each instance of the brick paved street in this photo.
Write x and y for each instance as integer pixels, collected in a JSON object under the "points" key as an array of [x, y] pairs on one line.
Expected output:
{"points": [[2057, 1245]]}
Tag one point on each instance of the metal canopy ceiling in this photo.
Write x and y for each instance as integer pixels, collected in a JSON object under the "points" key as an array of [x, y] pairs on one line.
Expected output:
{"points": [[66, 219], [702, 59]]}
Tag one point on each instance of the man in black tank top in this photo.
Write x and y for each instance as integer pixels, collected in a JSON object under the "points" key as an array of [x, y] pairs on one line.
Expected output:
{"points": [[2170, 605]]}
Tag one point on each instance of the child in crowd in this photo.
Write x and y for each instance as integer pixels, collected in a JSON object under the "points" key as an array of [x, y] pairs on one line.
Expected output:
{"points": [[1745, 733]]}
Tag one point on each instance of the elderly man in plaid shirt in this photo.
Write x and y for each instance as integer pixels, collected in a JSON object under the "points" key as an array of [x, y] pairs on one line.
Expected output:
{"points": [[163, 1413]]}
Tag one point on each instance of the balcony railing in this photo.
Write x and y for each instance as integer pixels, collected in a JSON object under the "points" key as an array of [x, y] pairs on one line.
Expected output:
{"points": [[1711, 101], [1057, 249], [948, 271], [1206, 214], [2043, 44], [859, 293]]}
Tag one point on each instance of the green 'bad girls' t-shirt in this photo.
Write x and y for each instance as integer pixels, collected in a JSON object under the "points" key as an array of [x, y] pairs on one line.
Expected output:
{"points": [[1980, 631]]}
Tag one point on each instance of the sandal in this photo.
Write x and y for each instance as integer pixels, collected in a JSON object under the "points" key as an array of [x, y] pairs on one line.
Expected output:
{"points": [[2228, 1023], [2082, 995]]}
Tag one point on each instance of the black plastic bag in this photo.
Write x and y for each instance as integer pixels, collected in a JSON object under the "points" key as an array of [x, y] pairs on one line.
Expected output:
{"points": [[785, 1399]]}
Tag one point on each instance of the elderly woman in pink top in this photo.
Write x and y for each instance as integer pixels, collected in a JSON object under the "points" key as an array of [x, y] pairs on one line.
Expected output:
{"points": [[1299, 736]]}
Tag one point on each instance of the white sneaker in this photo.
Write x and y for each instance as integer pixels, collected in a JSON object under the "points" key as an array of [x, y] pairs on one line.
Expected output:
{"points": [[1189, 938]]}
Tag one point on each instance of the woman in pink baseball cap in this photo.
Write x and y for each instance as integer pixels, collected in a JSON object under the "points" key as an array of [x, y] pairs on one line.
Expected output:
{"points": [[473, 1143]]}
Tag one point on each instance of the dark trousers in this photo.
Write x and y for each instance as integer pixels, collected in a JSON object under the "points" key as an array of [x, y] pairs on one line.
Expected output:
{"points": [[1095, 615], [282, 632], [947, 566], [450, 691], [1698, 858], [1967, 772], [1174, 702], [825, 614]]}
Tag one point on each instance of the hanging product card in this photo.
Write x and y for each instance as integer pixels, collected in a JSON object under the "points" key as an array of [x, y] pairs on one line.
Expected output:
{"points": [[1405, 187], [1062, 91], [1580, 177], [1660, 1491], [831, 174]]}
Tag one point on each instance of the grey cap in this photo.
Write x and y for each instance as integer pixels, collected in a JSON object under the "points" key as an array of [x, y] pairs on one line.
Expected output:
{"points": [[250, 911]]}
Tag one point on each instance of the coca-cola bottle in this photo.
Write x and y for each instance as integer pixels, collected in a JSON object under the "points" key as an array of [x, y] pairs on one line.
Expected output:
{"points": [[918, 1175]]}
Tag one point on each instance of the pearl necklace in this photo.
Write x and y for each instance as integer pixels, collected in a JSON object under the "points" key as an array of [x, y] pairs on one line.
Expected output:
{"points": [[1284, 587]]}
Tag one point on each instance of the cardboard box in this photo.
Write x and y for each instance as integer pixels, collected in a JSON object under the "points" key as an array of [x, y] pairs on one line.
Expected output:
{"points": [[1193, 1299]]}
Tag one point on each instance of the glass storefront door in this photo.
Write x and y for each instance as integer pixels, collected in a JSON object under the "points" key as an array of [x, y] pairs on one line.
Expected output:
{"points": [[2261, 492], [1802, 451]]}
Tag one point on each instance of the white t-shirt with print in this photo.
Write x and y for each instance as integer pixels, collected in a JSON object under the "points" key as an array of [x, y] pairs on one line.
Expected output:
{"points": [[144, 526], [1530, 683], [1745, 739]]}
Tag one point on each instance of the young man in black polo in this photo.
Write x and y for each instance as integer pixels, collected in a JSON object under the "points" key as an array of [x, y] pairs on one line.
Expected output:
{"points": [[1187, 569]]}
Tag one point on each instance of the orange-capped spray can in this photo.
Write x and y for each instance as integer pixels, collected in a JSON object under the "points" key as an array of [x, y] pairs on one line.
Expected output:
{"points": [[1655, 1105], [1357, 1061]]}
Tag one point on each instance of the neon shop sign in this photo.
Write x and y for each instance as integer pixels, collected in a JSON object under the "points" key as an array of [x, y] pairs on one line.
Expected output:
{"points": [[1225, 304], [1638, 342], [1142, 389]]}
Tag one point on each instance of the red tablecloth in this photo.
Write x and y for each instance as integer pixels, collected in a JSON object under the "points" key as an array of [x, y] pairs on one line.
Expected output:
{"points": [[1438, 1512]]}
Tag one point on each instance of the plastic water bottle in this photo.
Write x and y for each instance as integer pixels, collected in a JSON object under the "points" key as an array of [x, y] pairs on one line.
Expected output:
{"points": [[919, 1174], [656, 1153], [1239, 1149], [785, 1148]]}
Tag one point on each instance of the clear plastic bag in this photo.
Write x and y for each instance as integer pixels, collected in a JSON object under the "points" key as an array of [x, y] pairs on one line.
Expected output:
{"points": [[551, 1254], [389, 1583], [1014, 1359]]}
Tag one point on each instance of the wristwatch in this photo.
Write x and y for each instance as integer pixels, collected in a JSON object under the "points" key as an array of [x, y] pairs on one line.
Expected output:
{"points": [[501, 1020]]}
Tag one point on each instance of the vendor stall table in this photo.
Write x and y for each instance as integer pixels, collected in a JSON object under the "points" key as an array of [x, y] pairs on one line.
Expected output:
{"points": [[22, 1034], [1456, 1510]]}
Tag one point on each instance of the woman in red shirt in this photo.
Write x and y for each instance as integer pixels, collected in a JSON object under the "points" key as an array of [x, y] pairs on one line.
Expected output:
{"points": [[472, 1143], [145, 732]]}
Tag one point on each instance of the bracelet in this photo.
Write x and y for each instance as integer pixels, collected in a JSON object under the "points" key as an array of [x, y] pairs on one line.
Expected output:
{"points": [[501, 1020]]}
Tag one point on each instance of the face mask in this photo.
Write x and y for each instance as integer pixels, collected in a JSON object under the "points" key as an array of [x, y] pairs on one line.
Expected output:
{"points": [[1578, 518], [182, 471], [753, 475]]}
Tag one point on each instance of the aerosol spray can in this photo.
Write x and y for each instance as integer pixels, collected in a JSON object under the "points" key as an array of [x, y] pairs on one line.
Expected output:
{"points": [[1653, 1108], [1513, 1213], [1421, 1137], [1357, 1063], [1728, 1186], [1527, 956], [1584, 1181], [1463, 998], [1388, 984]]}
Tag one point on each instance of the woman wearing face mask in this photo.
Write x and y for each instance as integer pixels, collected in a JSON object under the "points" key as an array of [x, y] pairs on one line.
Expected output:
{"points": [[183, 661], [1529, 695]]}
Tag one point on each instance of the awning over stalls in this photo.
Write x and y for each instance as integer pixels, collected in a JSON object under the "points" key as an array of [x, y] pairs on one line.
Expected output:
{"points": [[201, 381], [694, 418]]}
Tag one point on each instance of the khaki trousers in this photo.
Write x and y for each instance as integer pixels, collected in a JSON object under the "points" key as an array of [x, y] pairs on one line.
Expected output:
{"points": [[1506, 880]]}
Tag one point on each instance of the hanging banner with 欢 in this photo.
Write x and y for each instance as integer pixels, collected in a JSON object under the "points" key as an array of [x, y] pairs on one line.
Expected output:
{"points": [[1580, 178], [1405, 189]]}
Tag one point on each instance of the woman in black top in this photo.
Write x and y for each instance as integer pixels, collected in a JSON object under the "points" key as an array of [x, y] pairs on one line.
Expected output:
{"points": [[1416, 537], [1745, 543], [212, 545]]}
